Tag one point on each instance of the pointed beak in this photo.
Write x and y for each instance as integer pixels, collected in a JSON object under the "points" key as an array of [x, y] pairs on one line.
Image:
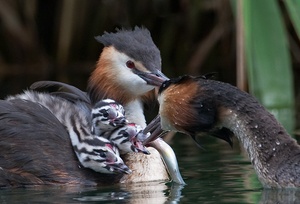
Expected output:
{"points": [[118, 122], [119, 168], [141, 148], [153, 78], [138, 145]]}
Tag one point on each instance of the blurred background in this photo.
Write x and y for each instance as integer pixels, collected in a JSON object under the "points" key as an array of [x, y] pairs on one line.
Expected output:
{"points": [[253, 44]]}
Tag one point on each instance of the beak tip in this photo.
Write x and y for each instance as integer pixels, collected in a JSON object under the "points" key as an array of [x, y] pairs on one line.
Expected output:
{"points": [[154, 79], [128, 171], [146, 152]]}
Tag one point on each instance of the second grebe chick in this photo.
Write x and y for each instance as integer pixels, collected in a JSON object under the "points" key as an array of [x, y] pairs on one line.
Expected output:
{"points": [[107, 115], [108, 121]]}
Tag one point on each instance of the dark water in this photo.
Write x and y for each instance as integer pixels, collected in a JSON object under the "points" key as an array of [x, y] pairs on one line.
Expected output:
{"points": [[215, 174]]}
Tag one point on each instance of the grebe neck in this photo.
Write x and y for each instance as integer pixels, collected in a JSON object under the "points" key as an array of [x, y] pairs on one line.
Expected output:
{"points": [[134, 112], [267, 143]]}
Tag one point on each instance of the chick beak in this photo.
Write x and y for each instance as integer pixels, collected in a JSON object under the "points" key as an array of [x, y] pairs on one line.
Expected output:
{"points": [[137, 143], [118, 122], [118, 168], [140, 147], [152, 78], [155, 128]]}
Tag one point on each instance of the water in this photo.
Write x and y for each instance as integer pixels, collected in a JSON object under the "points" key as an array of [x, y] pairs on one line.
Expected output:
{"points": [[215, 174]]}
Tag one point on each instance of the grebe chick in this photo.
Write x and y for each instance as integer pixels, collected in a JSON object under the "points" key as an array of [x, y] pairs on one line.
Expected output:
{"points": [[93, 152], [127, 139], [108, 121], [107, 115]]}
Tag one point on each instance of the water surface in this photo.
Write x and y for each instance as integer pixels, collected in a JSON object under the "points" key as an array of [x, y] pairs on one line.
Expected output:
{"points": [[215, 173]]}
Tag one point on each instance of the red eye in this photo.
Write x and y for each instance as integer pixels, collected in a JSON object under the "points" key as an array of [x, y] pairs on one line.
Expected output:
{"points": [[130, 64]]}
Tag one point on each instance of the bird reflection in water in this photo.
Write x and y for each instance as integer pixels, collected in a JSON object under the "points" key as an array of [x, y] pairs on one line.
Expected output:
{"points": [[151, 192]]}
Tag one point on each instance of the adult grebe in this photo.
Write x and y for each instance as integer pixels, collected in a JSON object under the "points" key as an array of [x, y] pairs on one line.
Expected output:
{"points": [[36, 148], [196, 105]]}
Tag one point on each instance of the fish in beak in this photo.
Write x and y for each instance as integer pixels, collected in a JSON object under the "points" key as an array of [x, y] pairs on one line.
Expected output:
{"points": [[169, 159], [164, 149]]}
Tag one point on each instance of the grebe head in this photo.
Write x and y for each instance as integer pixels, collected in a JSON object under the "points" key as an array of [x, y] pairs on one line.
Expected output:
{"points": [[101, 155], [107, 115], [108, 120], [187, 107], [129, 139], [129, 66]]}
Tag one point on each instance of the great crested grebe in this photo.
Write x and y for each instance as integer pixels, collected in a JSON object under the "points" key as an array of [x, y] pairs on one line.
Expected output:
{"points": [[36, 147], [199, 106], [127, 71], [73, 94]]}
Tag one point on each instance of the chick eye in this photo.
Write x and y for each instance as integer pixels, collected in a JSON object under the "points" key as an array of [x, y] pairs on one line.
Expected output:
{"points": [[104, 112], [130, 64], [100, 152]]}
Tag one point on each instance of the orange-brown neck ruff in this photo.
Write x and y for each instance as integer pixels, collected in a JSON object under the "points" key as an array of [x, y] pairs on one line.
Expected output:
{"points": [[101, 82], [175, 105]]}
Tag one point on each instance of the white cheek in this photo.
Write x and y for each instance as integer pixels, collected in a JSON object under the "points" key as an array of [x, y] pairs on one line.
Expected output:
{"points": [[128, 79], [133, 82], [165, 123], [159, 98]]}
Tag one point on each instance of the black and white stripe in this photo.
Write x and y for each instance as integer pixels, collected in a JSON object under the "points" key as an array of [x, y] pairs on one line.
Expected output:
{"points": [[108, 121], [107, 115], [127, 139], [92, 151]]}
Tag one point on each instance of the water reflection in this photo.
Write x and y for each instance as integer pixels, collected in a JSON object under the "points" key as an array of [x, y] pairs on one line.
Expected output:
{"points": [[153, 192], [104, 196], [280, 196]]}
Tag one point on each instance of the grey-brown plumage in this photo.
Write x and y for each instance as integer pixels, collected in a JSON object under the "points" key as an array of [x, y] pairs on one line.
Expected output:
{"points": [[63, 90]]}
